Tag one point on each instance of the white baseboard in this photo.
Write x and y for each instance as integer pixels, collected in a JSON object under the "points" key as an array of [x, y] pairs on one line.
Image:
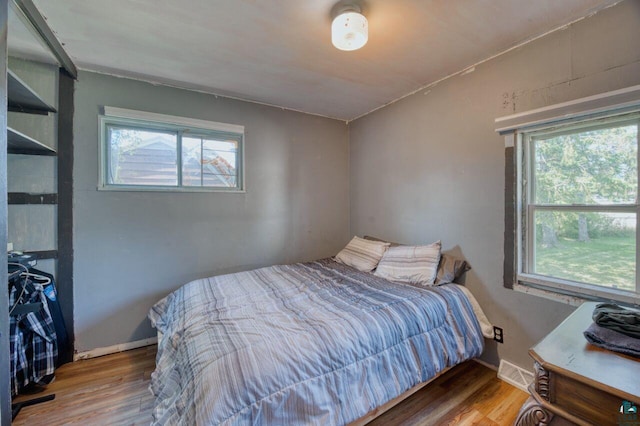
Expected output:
{"points": [[93, 353]]}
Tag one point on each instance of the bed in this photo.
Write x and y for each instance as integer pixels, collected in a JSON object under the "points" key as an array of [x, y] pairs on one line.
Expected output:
{"points": [[317, 343]]}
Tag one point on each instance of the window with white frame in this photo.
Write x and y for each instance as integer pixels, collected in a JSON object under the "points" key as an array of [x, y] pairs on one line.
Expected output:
{"points": [[578, 205], [147, 151]]}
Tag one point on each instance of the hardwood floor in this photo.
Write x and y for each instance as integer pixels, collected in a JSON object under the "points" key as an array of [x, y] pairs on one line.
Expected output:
{"points": [[109, 390], [468, 394], [113, 390]]}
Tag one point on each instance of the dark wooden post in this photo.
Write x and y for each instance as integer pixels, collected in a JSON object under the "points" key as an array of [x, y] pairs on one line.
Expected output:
{"points": [[65, 207]]}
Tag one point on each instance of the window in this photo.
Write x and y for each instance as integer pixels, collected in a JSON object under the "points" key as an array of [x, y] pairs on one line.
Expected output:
{"points": [[145, 151], [578, 199]]}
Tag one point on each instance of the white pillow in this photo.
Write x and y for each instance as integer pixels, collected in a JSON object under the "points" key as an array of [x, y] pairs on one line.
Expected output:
{"points": [[362, 254], [410, 264]]}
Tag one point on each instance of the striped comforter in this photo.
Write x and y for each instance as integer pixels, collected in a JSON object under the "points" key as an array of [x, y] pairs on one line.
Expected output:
{"points": [[311, 343]]}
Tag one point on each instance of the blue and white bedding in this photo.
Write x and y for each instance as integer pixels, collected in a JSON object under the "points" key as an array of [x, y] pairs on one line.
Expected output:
{"points": [[311, 343]]}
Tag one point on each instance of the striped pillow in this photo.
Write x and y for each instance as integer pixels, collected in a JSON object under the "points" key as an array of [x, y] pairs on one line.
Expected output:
{"points": [[410, 264], [362, 254]]}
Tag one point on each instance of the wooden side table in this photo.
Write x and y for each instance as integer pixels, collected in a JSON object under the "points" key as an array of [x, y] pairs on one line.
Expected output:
{"points": [[576, 382]]}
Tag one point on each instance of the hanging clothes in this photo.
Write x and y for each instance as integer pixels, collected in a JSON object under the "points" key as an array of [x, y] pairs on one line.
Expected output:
{"points": [[33, 344], [62, 337]]}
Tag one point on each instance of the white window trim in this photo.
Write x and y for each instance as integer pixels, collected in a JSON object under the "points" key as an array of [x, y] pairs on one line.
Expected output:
{"points": [[599, 106], [169, 122], [172, 119]]}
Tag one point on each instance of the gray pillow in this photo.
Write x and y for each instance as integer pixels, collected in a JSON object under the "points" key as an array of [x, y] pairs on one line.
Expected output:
{"points": [[450, 269]]}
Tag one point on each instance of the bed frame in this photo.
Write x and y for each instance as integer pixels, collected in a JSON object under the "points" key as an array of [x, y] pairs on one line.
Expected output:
{"points": [[378, 411]]}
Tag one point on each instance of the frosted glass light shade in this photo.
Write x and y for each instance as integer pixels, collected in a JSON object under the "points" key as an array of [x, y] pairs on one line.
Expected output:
{"points": [[349, 31]]}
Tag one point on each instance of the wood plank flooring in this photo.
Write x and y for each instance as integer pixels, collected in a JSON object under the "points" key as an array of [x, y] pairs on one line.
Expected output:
{"points": [[113, 390], [468, 394], [109, 390]]}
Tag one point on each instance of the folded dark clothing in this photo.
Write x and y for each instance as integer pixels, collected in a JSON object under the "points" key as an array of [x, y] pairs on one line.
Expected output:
{"points": [[617, 318], [612, 340]]}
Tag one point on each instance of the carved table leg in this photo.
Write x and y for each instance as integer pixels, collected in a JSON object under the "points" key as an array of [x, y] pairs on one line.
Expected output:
{"points": [[543, 383], [532, 414]]}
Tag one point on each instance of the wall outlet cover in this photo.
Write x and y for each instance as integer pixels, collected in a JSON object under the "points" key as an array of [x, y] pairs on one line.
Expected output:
{"points": [[498, 335]]}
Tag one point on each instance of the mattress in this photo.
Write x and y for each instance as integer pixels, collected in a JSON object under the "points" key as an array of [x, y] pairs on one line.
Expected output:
{"points": [[308, 343]]}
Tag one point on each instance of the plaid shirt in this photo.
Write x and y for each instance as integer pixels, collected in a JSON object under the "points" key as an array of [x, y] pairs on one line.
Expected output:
{"points": [[32, 339]]}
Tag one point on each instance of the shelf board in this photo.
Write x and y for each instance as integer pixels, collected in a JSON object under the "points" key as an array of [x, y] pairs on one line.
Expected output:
{"points": [[22, 98], [15, 198], [43, 254], [19, 143]]}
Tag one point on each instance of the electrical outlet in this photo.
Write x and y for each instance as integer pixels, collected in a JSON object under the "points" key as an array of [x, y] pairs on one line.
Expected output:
{"points": [[498, 335]]}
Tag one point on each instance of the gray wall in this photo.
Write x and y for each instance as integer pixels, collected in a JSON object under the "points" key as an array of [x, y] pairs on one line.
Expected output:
{"points": [[431, 166], [133, 248]]}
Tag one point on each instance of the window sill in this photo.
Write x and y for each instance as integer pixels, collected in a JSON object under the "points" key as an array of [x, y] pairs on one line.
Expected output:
{"points": [[132, 188], [571, 294], [550, 295]]}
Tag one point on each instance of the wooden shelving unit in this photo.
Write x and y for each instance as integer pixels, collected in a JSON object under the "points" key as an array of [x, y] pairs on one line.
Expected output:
{"points": [[22, 98], [19, 143]]}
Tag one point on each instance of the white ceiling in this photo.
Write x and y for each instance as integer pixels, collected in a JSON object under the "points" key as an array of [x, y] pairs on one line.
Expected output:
{"points": [[279, 51]]}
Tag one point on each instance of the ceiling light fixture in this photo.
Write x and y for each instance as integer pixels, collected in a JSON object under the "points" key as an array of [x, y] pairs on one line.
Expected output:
{"points": [[350, 29]]}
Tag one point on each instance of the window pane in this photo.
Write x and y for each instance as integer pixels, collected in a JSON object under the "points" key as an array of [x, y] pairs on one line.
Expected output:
{"points": [[209, 162], [594, 248], [587, 167], [191, 161], [142, 157]]}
